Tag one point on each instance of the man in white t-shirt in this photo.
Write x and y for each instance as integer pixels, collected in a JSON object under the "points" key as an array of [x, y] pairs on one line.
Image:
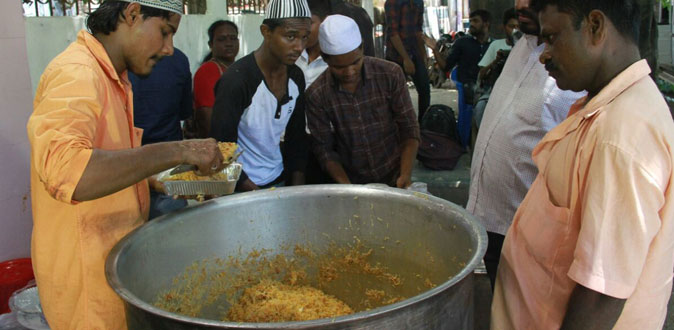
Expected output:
{"points": [[493, 54]]}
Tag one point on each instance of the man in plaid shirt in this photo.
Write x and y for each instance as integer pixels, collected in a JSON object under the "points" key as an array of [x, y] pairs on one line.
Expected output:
{"points": [[405, 44], [360, 113]]}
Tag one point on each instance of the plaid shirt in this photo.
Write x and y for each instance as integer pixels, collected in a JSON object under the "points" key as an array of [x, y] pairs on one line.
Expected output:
{"points": [[404, 18], [363, 131]]}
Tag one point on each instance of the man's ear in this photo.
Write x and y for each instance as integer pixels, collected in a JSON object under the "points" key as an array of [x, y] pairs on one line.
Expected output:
{"points": [[131, 13], [265, 31], [596, 25]]}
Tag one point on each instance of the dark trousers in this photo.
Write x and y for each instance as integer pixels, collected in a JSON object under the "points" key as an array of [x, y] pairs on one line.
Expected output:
{"points": [[493, 255], [422, 84]]}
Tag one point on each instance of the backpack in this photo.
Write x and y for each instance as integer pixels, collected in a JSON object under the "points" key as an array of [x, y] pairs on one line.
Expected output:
{"points": [[440, 148]]}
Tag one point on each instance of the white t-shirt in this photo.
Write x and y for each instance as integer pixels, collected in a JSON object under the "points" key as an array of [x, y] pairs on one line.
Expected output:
{"points": [[494, 47]]}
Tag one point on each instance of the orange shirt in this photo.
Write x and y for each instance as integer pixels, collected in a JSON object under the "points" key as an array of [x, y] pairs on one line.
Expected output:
{"points": [[81, 104], [599, 214]]}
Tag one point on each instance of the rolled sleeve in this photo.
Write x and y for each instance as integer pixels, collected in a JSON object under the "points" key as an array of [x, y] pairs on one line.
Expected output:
{"points": [[319, 126], [62, 129], [403, 110], [619, 220]]}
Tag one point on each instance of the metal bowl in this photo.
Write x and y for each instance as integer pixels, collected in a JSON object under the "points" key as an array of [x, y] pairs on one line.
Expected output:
{"points": [[407, 226]]}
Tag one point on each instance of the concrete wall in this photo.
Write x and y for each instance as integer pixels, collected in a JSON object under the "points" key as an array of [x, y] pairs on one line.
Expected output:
{"points": [[665, 45], [192, 37], [15, 107]]}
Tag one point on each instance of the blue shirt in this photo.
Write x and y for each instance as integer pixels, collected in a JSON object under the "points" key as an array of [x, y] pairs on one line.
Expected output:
{"points": [[163, 99]]}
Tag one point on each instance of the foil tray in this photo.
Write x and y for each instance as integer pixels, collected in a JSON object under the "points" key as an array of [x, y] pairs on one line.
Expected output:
{"points": [[193, 188]]}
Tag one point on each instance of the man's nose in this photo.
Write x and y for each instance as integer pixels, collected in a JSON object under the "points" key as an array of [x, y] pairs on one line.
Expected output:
{"points": [[168, 47]]}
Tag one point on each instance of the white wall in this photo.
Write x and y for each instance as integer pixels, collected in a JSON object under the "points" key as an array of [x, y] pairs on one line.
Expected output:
{"points": [[49, 36], [15, 107]]}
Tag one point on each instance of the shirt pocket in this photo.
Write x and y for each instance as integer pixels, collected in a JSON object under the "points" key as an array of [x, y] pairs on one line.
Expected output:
{"points": [[543, 226]]}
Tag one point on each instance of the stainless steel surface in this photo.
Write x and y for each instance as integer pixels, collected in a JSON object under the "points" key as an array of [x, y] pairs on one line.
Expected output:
{"points": [[182, 169], [192, 188], [144, 263]]}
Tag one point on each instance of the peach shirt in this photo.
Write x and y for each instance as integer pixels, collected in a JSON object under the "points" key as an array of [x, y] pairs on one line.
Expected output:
{"points": [[81, 104], [600, 212]]}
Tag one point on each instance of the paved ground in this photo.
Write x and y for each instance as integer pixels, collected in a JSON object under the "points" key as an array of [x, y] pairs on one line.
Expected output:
{"points": [[453, 186]]}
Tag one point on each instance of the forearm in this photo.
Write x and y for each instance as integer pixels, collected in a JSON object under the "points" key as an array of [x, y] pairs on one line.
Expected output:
{"points": [[408, 154], [589, 309], [439, 59], [110, 171], [203, 118], [337, 172], [398, 45], [297, 178]]}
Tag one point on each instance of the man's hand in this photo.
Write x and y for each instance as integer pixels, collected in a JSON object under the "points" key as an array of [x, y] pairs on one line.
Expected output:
{"points": [[430, 42], [204, 153], [408, 65], [404, 181]]}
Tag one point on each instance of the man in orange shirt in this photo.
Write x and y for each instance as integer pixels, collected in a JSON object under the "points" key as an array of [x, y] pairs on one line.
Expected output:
{"points": [[88, 171], [590, 246]]}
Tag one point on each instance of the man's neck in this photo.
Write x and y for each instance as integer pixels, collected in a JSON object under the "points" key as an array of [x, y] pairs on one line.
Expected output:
{"points": [[268, 63], [482, 37], [313, 53], [114, 50], [612, 65]]}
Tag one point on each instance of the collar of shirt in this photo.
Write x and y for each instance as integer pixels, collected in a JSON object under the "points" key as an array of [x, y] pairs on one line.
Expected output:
{"points": [[97, 49], [304, 57], [584, 108], [365, 75]]}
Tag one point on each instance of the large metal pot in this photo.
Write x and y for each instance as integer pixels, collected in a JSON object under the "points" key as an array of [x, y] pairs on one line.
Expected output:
{"points": [[144, 263]]}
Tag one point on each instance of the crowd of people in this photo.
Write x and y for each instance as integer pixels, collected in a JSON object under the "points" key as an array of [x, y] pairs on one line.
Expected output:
{"points": [[571, 156]]}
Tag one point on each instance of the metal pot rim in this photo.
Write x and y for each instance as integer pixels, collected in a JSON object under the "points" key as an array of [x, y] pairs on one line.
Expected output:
{"points": [[435, 202]]}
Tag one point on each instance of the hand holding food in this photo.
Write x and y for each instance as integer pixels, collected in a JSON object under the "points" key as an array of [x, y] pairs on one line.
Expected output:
{"points": [[224, 152]]}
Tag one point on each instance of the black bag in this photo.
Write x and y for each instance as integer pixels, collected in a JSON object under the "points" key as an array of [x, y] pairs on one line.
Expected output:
{"points": [[440, 148], [440, 119]]}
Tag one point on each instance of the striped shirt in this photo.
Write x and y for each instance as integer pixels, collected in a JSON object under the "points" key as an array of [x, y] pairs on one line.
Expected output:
{"points": [[369, 125], [524, 105]]}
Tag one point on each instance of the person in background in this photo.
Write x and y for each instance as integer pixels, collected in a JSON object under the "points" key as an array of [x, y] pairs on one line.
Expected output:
{"points": [[313, 65], [223, 40], [591, 244], [360, 113], [405, 45], [466, 53], [89, 172], [261, 96], [160, 102], [311, 62], [525, 104], [495, 52]]}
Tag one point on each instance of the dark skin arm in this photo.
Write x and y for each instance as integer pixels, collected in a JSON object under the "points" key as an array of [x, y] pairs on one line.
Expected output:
{"points": [[336, 172], [202, 116], [433, 45], [110, 171], [589, 309], [408, 65], [409, 152]]}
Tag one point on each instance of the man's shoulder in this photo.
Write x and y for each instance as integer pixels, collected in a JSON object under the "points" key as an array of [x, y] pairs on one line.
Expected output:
{"points": [[242, 72]]}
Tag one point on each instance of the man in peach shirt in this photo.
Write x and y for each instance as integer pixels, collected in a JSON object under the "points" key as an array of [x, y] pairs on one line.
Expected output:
{"points": [[591, 245], [88, 171]]}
